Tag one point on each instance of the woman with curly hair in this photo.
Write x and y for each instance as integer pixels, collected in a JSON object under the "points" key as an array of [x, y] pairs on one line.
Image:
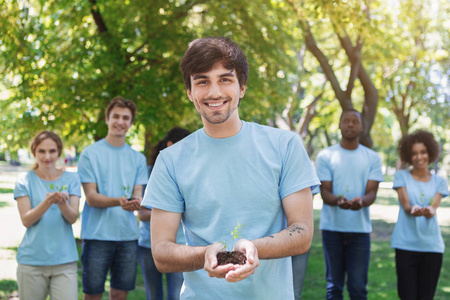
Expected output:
{"points": [[417, 238]]}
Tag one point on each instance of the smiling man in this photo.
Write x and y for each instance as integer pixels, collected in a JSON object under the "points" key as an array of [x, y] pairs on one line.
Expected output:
{"points": [[350, 174], [112, 175], [227, 173]]}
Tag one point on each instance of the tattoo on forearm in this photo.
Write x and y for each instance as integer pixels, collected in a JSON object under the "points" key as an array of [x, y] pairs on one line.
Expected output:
{"points": [[291, 229], [294, 229]]}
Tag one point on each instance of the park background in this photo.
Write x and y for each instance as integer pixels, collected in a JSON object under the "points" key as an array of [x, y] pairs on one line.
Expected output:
{"points": [[61, 62]]}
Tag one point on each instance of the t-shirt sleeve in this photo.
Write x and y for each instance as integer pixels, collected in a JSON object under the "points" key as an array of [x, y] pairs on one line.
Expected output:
{"points": [[142, 171], [85, 170], [376, 172], [75, 185], [442, 186], [297, 171], [399, 179], [21, 187], [162, 190], [322, 167]]}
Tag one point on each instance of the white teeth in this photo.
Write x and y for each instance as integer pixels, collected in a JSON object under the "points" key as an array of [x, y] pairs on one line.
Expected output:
{"points": [[215, 104]]}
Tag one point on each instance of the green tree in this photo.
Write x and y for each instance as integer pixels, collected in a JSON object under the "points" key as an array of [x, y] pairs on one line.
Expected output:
{"points": [[347, 25], [61, 62], [414, 77], [65, 60]]}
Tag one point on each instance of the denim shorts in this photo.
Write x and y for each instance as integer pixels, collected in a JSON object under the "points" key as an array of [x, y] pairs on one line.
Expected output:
{"points": [[119, 257]]}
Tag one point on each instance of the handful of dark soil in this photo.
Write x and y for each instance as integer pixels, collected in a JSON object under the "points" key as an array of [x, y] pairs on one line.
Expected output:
{"points": [[231, 257]]}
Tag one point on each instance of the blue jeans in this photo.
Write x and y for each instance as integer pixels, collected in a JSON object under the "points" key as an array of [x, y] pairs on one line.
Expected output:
{"points": [[153, 279], [346, 252], [299, 265], [97, 257]]}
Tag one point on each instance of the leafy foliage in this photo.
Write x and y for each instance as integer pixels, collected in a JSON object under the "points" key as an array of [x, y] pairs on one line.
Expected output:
{"points": [[62, 61], [67, 59]]}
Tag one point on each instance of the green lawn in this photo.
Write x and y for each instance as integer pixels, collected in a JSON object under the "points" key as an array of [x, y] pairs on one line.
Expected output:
{"points": [[6, 190], [7, 287], [382, 278]]}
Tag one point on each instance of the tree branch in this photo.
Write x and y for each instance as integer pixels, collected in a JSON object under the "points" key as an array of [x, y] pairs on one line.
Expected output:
{"points": [[354, 55], [312, 47], [327, 68], [101, 26], [308, 115]]}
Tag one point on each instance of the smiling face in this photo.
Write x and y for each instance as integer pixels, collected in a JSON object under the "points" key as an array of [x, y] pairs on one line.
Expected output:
{"points": [[419, 156], [350, 125], [216, 94], [46, 153], [119, 121]]}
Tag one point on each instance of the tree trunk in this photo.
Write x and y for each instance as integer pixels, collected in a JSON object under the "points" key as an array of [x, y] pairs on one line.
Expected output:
{"points": [[369, 108], [357, 70], [147, 145], [101, 129]]}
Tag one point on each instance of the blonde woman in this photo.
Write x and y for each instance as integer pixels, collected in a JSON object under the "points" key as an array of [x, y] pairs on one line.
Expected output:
{"points": [[48, 201]]}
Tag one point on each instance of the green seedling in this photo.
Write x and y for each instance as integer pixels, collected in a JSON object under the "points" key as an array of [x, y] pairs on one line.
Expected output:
{"points": [[346, 191], [224, 244], [56, 188], [127, 191], [229, 256], [236, 234], [421, 198], [424, 201]]}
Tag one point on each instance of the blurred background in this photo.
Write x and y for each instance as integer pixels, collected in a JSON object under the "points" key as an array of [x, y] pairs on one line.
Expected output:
{"points": [[61, 62]]}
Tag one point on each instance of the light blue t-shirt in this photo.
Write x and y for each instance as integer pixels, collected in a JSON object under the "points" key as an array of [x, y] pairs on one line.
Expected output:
{"points": [[418, 233], [115, 170], [218, 183], [50, 240], [144, 229], [144, 235], [349, 171]]}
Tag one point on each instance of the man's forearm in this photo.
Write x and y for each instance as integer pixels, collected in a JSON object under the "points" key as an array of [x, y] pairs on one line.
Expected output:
{"points": [[101, 201], [171, 257], [293, 240], [368, 199], [329, 198]]}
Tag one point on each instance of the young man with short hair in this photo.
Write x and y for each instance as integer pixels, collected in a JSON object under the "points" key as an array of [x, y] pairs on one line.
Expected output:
{"points": [[230, 172], [112, 175], [350, 174]]}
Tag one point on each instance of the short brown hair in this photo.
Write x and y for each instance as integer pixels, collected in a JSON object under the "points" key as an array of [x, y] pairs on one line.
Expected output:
{"points": [[203, 53], [421, 136], [122, 102], [43, 135]]}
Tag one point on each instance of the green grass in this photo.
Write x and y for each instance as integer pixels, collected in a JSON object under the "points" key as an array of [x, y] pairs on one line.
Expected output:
{"points": [[388, 178], [387, 197], [382, 276], [6, 190], [4, 204], [7, 287]]}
